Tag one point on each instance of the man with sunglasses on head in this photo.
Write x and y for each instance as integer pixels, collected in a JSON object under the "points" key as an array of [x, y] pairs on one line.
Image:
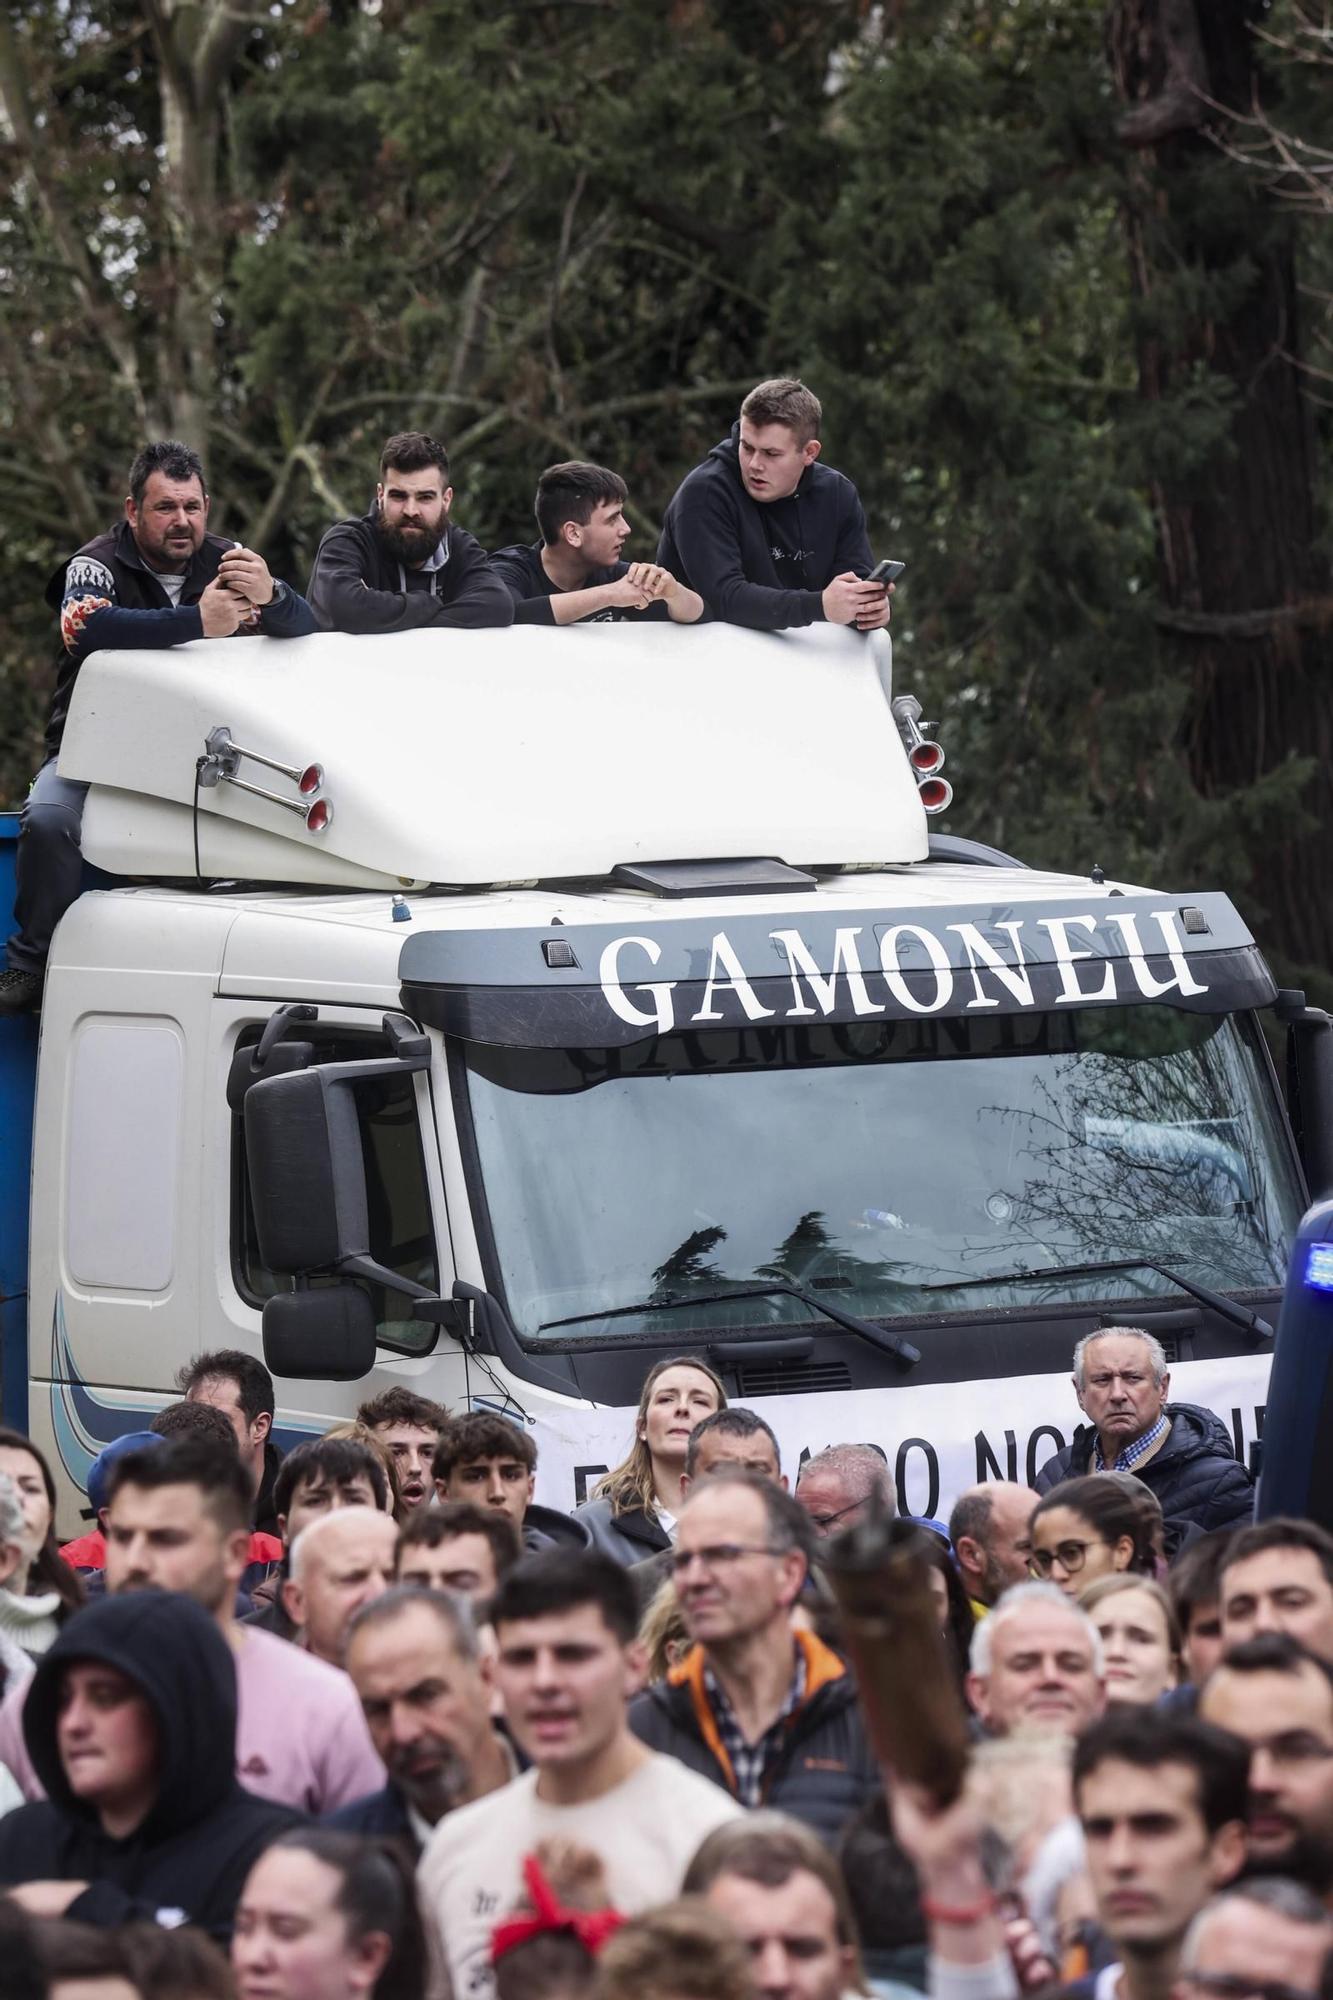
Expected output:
{"points": [[761, 1707], [841, 1485]]}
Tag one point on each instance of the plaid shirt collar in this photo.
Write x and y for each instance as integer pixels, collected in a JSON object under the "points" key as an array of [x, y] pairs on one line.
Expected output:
{"points": [[1132, 1453], [750, 1761]]}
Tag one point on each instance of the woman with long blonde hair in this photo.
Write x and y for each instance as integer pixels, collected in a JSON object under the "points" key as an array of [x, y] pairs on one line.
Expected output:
{"points": [[632, 1513]]}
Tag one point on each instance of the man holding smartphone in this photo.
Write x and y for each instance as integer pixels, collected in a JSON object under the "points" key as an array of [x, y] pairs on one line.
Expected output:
{"points": [[156, 578], [767, 536]]}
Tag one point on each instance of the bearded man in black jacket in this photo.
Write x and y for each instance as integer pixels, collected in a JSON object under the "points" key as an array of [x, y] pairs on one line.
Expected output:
{"points": [[405, 564], [130, 1722]]}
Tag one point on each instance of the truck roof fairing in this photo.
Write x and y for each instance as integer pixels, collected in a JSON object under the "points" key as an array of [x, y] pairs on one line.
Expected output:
{"points": [[476, 758]]}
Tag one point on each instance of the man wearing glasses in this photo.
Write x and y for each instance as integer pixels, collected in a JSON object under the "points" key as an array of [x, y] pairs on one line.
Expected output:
{"points": [[763, 1709], [1265, 1939], [1278, 1698], [839, 1486]]}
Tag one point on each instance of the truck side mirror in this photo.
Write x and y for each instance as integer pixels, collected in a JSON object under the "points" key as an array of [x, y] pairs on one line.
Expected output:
{"points": [[327, 1333], [1310, 1087], [307, 1173], [308, 1191]]}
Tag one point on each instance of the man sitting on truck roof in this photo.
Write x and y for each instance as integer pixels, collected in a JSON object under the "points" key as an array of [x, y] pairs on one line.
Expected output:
{"points": [[156, 579], [574, 574], [405, 564], [768, 537]]}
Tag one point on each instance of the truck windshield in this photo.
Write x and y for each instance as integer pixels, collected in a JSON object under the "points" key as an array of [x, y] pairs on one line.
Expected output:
{"points": [[880, 1163]]}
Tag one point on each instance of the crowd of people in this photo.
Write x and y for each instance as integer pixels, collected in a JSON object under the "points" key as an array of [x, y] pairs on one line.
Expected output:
{"points": [[761, 534], [365, 1722]]}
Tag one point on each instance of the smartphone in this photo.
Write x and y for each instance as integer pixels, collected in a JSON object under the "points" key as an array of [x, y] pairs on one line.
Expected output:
{"points": [[886, 572]]}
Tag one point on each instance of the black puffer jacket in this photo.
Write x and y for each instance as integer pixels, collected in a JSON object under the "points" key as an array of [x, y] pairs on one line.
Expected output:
{"points": [[1196, 1474], [826, 1771], [192, 1852]]}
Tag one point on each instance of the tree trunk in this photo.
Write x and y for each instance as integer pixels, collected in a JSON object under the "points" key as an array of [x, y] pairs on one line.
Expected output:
{"points": [[1245, 594]]}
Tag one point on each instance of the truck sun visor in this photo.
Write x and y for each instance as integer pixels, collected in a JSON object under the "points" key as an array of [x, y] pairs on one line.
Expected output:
{"points": [[610, 985]]}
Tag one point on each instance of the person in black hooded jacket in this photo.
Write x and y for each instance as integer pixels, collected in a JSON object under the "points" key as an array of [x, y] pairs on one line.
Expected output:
{"points": [[404, 564], [130, 1723], [764, 534]]}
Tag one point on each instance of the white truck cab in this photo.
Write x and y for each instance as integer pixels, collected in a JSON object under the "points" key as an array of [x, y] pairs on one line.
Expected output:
{"points": [[500, 1012]]}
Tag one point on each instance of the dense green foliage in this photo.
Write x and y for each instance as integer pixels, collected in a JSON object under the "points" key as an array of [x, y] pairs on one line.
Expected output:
{"points": [[582, 229]]}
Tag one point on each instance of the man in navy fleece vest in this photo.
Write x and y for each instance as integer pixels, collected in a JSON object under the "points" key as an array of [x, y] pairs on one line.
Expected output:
{"points": [[766, 535]]}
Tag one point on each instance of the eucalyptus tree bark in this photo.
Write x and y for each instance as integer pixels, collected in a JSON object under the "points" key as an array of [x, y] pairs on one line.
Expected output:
{"points": [[38, 144], [197, 43], [1245, 593]]}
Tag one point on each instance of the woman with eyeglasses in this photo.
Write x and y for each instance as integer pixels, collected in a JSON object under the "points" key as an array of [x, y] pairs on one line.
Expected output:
{"points": [[1088, 1528], [1140, 1637]]}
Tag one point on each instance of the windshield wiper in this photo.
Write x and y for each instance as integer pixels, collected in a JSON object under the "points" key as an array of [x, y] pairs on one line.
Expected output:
{"points": [[876, 1336], [1225, 1308]]}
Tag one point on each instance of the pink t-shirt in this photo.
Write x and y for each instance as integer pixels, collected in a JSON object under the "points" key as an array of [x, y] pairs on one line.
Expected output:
{"points": [[301, 1739]]}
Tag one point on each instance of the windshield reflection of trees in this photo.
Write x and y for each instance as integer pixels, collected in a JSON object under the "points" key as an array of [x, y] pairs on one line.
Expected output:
{"points": [[1117, 1156]]}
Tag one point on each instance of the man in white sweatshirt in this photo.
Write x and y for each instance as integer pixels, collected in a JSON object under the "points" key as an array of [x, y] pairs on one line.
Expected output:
{"points": [[567, 1662]]}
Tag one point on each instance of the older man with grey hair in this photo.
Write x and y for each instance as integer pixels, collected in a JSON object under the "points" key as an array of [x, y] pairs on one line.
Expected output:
{"points": [[417, 1666], [1036, 1663], [839, 1486], [339, 1562], [1265, 1936], [1179, 1450]]}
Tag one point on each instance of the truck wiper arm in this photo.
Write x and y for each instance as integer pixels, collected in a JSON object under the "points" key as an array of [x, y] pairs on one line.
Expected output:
{"points": [[876, 1336], [1225, 1308]]}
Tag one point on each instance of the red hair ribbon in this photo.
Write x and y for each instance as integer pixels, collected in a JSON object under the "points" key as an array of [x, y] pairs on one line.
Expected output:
{"points": [[592, 1928]]}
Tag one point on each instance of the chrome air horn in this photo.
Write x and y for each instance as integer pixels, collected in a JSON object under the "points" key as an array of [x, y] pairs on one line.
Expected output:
{"points": [[221, 759], [924, 754]]}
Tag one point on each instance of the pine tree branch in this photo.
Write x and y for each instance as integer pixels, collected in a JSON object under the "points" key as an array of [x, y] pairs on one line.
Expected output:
{"points": [[1180, 104], [1311, 614]]}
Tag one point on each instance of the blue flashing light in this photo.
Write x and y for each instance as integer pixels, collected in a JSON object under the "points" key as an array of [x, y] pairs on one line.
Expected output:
{"points": [[1319, 1267]]}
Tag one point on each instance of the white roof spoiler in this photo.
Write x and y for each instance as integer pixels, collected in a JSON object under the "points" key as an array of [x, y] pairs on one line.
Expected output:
{"points": [[489, 757]]}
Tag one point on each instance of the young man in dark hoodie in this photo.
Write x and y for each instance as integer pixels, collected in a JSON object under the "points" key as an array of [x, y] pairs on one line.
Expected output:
{"points": [[491, 1462], [768, 537], [131, 1725], [405, 564]]}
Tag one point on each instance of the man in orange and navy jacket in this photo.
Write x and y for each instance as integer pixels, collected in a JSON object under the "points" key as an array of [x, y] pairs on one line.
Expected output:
{"points": [[761, 1707]]}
